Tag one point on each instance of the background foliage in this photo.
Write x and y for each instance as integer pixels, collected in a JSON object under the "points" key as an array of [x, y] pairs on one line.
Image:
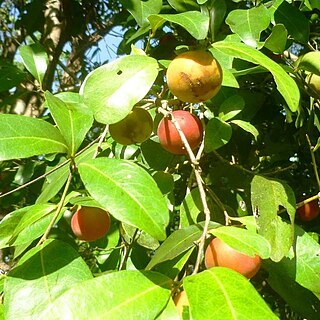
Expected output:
{"points": [[68, 69]]}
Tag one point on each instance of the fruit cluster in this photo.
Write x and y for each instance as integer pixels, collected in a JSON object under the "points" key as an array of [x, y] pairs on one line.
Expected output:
{"points": [[193, 76]]}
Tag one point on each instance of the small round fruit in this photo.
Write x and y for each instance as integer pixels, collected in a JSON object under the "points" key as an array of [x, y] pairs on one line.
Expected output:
{"points": [[90, 223], [181, 300], [219, 254], [309, 211], [169, 137], [136, 127], [194, 76], [313, 82]]}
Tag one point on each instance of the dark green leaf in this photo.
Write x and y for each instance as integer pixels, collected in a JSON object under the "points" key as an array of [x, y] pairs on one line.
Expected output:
{"points": [[218, 133], [285, 84]]}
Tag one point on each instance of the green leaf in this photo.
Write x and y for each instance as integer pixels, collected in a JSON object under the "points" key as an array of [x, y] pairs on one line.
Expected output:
{"points": [[224, 295], [33, 224], [277, 40], [310, 62], [294, 20], [112, 90], [244, 241], [10, 76], [170, 312], [248, 24], [218, 133], [196, 23], [247, 126], [183, 5], [285, 84], [178, 242], [73, 120], [266, 197], [35, 59], [190, 208], [9, 223], [231, 107], [127, 294], [300, 299], [141, 10], [128, 192], [42, 275], [23, 137]]}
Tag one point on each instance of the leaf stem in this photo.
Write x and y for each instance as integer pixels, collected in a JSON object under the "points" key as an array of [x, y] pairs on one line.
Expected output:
{"points": [[60, 206]]}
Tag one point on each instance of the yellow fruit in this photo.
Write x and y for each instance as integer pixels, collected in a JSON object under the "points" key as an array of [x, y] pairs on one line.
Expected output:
{"points": [[181, 300], [194, 76], [136, 127], [313, 82]]}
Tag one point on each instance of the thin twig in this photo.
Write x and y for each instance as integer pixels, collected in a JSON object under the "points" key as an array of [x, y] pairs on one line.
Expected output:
{"points": [[314, 163], [49, 172], [128, 249], [197, 172], [60, 206], [102, 137]]}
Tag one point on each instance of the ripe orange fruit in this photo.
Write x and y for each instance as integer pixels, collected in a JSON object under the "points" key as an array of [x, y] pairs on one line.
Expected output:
{"points": [[309, 211], [169, 137], [90, 223], [194, 76], [219, 254]]}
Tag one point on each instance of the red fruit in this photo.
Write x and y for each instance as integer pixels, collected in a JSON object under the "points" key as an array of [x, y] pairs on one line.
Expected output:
{"points": [[90, 223], [219, 254], [308, 211], [169, 136]]}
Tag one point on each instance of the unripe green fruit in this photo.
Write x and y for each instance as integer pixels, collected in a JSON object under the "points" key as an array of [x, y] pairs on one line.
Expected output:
{"points": [[219, 254], [136, 127], [194, 76], [90, 223], [169, 137], [313, 82]]}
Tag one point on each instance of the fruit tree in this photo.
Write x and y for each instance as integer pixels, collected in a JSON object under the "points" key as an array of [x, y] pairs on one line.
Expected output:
{"points": [[159, 159]]}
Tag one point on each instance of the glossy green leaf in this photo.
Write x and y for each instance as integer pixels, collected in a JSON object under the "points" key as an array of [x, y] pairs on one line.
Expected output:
{"points": [[23, 137], [285, 84], [244, 241], [190, 208], [231, 107], [224, 295], [169, 313], [128, 192], [294, 20], [310, 62], [73, 120], [194, 22], [42, 275], [247, 126], [141, 10], [248, 24], [277, 40], [300, 299], [35, 60], [10, 76], [183, 5], [118, 295], [178, 242], [9, 223], [112, 90], [218, 133], [30, 220], [267, 195]]}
